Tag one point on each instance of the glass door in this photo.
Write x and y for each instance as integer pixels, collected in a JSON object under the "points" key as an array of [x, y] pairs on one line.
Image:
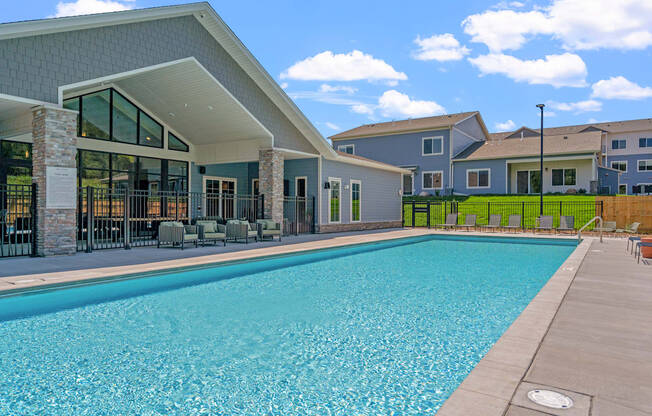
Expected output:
{"points": [[220, 197], [522, 181], [228, 199]]}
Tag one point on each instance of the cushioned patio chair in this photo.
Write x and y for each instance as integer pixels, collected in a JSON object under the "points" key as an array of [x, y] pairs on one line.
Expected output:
{"points": [[451, 221], [513, 223], [566, 223], [210, 231], [175, 233], [268, 229], [469, 222], [607, 227], [544, 223], [630, 229], [238, 230], [494, 222]]}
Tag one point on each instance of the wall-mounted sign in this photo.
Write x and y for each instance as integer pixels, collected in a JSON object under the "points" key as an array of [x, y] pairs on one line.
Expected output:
{"points": [[60, 187]]}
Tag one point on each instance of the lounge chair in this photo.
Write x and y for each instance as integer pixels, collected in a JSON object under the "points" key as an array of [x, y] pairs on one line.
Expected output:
{"points": [[607, 227], [494, 222], [211, 232], [451, 221], [269, 229], [238, 230], [175, 233], [513, 223], [469, 221], [566, 223], [544, 223], [630, 229]]}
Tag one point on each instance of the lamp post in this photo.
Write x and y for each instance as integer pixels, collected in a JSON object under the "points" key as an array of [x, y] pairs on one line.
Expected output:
{"points": [[541, 164]]}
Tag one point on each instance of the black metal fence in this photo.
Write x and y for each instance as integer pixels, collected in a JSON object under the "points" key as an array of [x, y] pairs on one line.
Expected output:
{"points": [[17, 220], [298, 215], [431, 213]]}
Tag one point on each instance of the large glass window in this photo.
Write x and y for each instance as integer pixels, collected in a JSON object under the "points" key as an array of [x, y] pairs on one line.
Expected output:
{"points": [[334, 200], [620, 165], [477, 178], [644, 165], [151, 133], [95, 169], [149, 174], [125, 120], [433, 146], [432, 180], [174, 143], [355, 200], [564, 177], [95, 115], [177, 175], [645, 142], [346, 148], [618, 144]]}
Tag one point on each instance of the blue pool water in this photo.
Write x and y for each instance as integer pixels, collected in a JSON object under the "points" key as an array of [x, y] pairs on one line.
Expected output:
{"points": [[390, 328]]}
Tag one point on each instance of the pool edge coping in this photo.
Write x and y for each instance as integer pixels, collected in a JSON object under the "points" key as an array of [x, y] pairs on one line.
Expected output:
{"points": [[490, 387]]}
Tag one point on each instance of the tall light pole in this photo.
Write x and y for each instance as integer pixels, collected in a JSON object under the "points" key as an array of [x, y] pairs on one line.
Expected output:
{"points": [[541, 164]]}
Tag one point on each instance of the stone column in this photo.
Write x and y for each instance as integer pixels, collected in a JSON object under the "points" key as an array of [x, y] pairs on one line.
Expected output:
{"points": [[270, 176], [54, 170]]}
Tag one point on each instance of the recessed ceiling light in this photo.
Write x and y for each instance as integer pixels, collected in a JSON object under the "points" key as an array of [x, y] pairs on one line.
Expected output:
{"points": [[186, 105], [210, 107], [171, 114]]}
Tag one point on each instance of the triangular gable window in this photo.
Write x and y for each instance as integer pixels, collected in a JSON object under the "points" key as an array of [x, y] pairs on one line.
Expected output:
{"points": [[174, 143]]}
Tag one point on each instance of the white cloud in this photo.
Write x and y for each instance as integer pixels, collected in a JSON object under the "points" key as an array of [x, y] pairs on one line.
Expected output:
{"points": [[620, 88], [509, 125], [79, 7], [337, 88], [395, 104], [284, 85], [623, 24], [324, 97], [577, 107], [332, 126], [440, 48], [363, 109], [352, 66], [565, 70]]}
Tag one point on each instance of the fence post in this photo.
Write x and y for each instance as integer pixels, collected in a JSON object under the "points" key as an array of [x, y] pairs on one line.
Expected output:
{"points": [[176, 205], [523, 215], [125, 213], [90, 222], [488, 211], [402, 213], [296, 215], [413, 224], [314, 217], [602, 209], [34, 219], [428, 213]]}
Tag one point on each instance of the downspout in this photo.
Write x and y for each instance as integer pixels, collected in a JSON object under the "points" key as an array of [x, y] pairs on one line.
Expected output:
{"points": [[450, 158]]}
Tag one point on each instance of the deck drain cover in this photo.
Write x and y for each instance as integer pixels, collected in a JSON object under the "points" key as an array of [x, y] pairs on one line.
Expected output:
{"points": [[549, 398]]}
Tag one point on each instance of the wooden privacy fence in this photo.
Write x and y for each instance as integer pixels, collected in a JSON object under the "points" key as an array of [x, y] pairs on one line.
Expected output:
{"points": [[628, 209]]}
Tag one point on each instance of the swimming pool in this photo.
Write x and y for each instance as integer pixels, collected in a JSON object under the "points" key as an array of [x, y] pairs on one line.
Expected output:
{"points": [[384, 328]]}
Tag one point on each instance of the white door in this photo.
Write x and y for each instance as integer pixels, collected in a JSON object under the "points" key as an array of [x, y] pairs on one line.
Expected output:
{"points": [[220, 197]]}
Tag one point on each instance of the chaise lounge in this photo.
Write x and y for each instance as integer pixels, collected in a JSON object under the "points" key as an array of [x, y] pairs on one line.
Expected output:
{"points": [[494, 222], [513, 223], [566, 223], [469, 221], [544, 223], [451, 221]]}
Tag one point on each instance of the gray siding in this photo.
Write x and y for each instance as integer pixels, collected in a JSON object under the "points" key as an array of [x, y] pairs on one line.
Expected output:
{"points": [[469, 127], [380, 197], [34, 67], [405, 150], [239, 171], [497, 176], [608, 179], [303, 167], [632, 177]]}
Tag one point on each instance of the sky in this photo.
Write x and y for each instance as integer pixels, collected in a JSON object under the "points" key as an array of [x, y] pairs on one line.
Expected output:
{"points": [[348, 63]]}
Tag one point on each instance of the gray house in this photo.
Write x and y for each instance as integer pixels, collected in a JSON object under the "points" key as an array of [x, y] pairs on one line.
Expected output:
{"points": [[426, 146], [163, 100]]}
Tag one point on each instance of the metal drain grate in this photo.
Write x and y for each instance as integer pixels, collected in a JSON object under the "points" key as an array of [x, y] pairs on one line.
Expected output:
{"points": [[549, 398]]}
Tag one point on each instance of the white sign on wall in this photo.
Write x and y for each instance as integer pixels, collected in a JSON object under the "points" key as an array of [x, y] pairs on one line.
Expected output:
{"points": [[60, 187]]}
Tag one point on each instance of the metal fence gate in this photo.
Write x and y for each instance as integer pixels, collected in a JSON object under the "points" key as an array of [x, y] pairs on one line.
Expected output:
{"points": [[298, 215], [17, 220]]}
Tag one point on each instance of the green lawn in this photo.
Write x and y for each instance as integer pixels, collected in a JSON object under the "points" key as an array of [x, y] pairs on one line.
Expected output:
{"points": [[582, 207]]}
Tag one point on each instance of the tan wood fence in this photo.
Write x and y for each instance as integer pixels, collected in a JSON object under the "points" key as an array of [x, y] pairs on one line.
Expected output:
{"points": [[628, 209]]}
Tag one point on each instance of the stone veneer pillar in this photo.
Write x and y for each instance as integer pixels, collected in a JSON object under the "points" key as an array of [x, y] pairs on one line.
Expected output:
{"points": [[54, 134], [270, 177]]}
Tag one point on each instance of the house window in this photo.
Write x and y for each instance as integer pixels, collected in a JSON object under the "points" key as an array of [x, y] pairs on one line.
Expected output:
{"points": [[174, 143], [645, 142], [618, 144], [356, 189], [645, 165], [622, 189], [477, 178], [432, 180], [347, 148], [408, 184], [433, 146], [564, 177], [125, 120], [334, 199], [620, 165]]}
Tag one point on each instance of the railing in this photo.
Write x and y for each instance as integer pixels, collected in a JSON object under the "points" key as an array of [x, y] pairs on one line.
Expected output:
{"points": [[114, 218], [298, 215], [579, 232], [430, 213], [17, 220]]}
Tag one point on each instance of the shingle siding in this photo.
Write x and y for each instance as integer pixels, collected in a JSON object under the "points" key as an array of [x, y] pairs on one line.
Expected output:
{"points": [[34, 67]]}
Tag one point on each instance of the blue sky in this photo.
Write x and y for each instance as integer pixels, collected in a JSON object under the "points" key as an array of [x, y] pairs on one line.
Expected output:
{"points": [[347, 63]]}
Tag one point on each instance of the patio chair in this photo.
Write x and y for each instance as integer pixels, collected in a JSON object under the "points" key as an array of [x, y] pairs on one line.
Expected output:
{"points": [[630, 229], [469, 221], [637, 252], [175, 233], [210, 231], [494, 222], [268, 229], [607, 227], [634, 240], [566, 223], [451, 221], [544, 223], [513, 223], [238, 230]]}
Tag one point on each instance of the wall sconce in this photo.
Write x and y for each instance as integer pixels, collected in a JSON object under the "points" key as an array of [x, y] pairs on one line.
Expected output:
{"points": [[346, 187], [327, 185]]}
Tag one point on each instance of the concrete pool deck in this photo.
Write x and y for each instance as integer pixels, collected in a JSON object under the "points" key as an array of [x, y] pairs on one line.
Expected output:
{"points": [[586, 333]]}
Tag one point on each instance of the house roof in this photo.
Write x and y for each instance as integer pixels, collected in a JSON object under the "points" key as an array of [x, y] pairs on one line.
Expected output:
{"points": [[208, 17], [566, 144], [413, 124], [609, 126]]}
